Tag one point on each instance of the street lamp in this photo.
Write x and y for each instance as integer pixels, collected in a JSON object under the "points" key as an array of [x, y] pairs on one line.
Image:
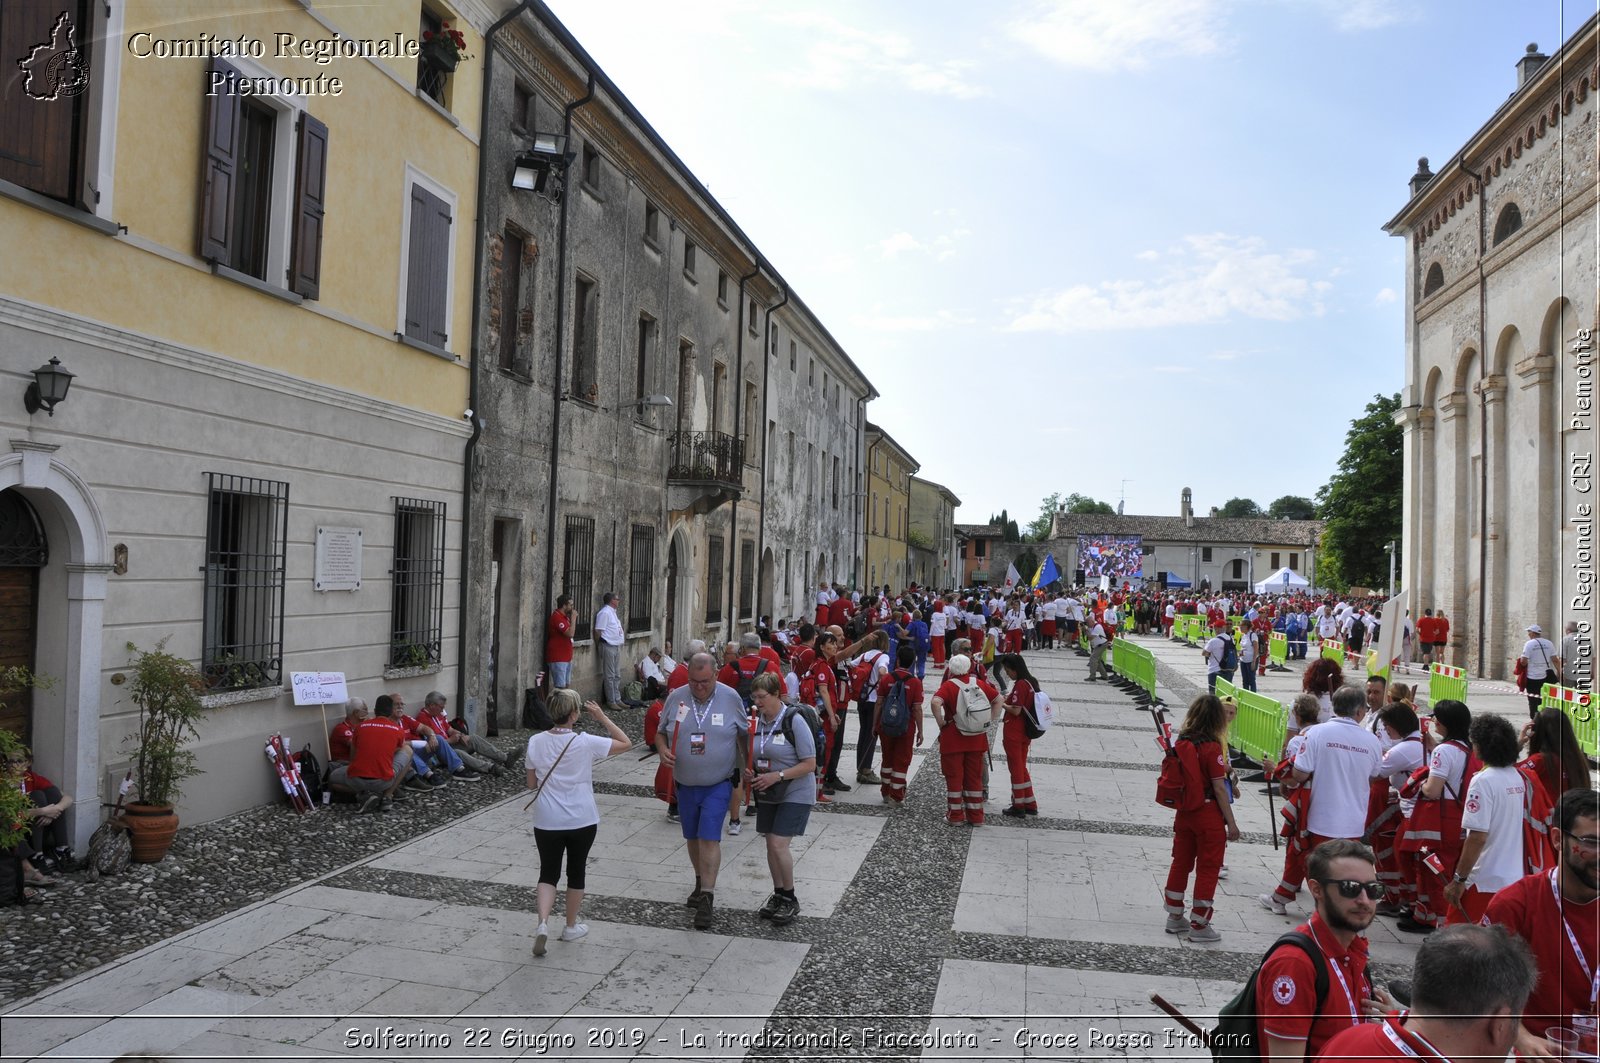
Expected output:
{"points": [[1388, 548], [49, 387]]}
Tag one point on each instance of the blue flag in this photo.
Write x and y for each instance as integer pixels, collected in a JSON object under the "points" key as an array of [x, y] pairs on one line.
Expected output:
{"points": [[1048, 573]]}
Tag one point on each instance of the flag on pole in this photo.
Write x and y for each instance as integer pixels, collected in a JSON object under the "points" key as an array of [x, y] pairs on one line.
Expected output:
{"points": [[1048, 573], [1013, 577]]}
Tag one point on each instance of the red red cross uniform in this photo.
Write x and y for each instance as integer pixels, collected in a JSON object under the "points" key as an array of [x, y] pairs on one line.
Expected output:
{"points": [[1016, 743], [1199, 839], [961, 756]]}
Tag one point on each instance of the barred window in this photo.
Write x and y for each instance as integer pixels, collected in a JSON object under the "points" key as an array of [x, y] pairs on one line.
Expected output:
{"points": [[247, 523], [641, 584], [747, 579], [577, 574], [713, 579], [416, 607]]}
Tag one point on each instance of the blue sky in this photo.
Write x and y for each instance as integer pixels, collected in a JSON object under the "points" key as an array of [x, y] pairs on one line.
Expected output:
{"points": [[1077, 242]]}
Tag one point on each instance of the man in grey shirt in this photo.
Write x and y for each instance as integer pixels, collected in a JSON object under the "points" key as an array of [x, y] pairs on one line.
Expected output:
{"points": [[702, 738]]}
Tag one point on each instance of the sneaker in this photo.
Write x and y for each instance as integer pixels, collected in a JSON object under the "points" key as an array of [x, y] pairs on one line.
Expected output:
{"points": [[1177, 924], [385, 804], [466, 775], [869, 777], [1222, 872], [1014, 812], [414, 782], [371, 803], [1271, 903], [1411, 926], [734, 827], [766, 910], [788, 908], [672, 813], [1204, 933], [437, 779], [575, 931], [824, 799], [1032, 811], [702, 911], [694, 897], [1393, 910], [836, 784], [540, 936]]}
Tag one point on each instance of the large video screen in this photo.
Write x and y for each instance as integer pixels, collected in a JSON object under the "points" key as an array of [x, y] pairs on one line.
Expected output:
{"points": [[1120, 557]]}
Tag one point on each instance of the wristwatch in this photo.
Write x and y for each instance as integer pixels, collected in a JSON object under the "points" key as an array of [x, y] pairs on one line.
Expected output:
{"points": [[1459, 880]]}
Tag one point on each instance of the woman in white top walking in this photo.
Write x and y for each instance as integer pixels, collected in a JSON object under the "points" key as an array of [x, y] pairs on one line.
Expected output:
{"points": [[565, 817]]}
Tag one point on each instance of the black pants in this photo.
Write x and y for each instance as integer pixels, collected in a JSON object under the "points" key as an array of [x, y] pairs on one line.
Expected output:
{"points": [[573, 844], [1532, 687], [46, 838], [867, 739]]}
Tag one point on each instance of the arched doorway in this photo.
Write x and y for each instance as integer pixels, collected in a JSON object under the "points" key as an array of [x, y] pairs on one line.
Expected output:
{"points": [[669, 628], [764, 595], [23, 552]]}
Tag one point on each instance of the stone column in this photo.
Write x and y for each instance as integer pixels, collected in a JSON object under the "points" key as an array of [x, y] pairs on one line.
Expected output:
{"points": [[1540, 506], [1495, 506], [1451, 510]]}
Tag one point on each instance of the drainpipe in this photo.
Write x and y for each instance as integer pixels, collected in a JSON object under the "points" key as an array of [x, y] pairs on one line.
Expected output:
{"points": [[766, 373], [561, 357], [855, 535], [738, 433], [1483, 428], [470, 456]]}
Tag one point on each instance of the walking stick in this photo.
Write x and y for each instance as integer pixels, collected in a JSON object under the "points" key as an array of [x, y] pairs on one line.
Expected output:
{"points": [[1183, 1020], [1272, 815]]}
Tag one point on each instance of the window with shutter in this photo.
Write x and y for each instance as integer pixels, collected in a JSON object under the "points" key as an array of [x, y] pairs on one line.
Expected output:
{"points": [[428, 269], [311, 203], [43, 122]]}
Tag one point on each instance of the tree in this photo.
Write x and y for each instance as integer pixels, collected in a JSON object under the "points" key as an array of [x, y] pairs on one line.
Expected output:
{"points": [[1039, 527], [1240, 507], [1076, 503], [1362, 500], [1027, 563], [1292, 507]]}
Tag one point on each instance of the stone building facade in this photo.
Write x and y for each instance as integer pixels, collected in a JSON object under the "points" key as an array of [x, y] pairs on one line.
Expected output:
{"points": [[888, 518], [935, 560], [1497, 408]]}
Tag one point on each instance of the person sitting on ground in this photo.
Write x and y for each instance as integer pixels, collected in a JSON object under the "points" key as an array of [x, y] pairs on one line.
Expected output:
{"points": [[651, 675], [476, 752], [425, 740], [49, 849], [379, 759]]}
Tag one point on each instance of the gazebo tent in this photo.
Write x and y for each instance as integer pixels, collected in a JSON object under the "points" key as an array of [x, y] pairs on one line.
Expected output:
{"points": [[1285, 579], [1175, 580]]}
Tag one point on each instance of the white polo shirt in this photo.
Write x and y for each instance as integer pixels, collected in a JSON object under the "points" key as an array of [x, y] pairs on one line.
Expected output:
{"points": [[1540, 653], [1495, 803], [1399, 761], [1343, 757]]}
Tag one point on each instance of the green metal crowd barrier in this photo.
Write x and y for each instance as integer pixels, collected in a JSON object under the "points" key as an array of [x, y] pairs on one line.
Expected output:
{"points": [[1446, 682], [1334, 653], [1136, 664], [1277, 648], [1262, 725], [1236, 622], [1578, 705]]}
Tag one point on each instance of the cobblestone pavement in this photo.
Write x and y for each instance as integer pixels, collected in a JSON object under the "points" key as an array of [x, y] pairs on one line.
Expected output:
{"points": [[408, 935]]}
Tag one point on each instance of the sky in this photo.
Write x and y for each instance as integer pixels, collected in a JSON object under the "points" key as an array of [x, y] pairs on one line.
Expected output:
{"points": [[1115, 247]]}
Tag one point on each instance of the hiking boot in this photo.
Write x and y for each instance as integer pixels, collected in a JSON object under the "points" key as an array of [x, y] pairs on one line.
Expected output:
{"points": [[1204, 933], [540, 937], [1411, 926], [787, 909], [1031, 810], [1177, 924], [694, 895], [766, 910], [1014, 812], [702, 911], [1272, 903], [466, 775], [869, 777], [371, 803]]}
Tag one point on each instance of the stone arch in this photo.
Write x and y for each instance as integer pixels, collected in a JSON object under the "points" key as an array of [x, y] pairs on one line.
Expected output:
{"points": [[1430, 387], [1466, 362], [1508, 350], [1507, 222], [1434, 280], [1553, 331], [71, 605], [766, 581]]}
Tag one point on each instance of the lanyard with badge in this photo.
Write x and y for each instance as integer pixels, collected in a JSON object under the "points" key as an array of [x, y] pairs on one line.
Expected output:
{"points": [[1401, 1039], [1585, 1024], [697, 737], [771, 735]]}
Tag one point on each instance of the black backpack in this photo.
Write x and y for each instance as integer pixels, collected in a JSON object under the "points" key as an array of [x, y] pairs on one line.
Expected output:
{"points": [[1234, 1036], [813, 721], [894, 715], [311, 773], [747, 683]]}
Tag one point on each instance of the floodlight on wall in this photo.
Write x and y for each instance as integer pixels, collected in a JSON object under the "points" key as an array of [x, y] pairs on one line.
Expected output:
{"points": [[49, 387], [532, 169], [640, 403]]}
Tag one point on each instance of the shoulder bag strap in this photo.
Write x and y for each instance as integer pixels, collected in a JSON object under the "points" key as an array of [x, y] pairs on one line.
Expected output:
{"points": [[539, 791]]}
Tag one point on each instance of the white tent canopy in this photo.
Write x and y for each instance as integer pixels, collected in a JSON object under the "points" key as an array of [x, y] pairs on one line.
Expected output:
{"points": [[1285, 579]]}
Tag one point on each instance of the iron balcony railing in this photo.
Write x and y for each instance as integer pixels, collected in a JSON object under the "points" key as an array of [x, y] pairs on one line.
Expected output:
{"points": [[706, 457]]}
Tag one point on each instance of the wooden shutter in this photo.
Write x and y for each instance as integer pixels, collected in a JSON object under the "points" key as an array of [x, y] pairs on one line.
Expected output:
{"points": [[311, 201], [41, 138], [428, 268], [220, 167]]}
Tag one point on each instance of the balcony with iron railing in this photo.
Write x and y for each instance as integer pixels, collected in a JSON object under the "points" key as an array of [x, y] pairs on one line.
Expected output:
{"points": [[704, 469]]}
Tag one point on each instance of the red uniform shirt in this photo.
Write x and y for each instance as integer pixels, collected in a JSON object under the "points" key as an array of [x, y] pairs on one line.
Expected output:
{"points": [[1529, 909], [678, 678], [1213, 765], [1022, 695], [773, 658], [32, 781], [822, 677], [375, 742], [913, 696], [804, 658], [1286, 991], [1384, 1040], [339, 740], [558, 638], [839, 611], [729, 676], [437, 721], [951, 740]]}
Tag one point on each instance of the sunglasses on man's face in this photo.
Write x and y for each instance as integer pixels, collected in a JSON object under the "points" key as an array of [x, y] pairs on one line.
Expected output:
{"points": [[1350, 889]]}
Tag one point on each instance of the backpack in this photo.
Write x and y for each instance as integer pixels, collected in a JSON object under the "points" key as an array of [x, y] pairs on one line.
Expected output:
{"points": [[311, 773], [1234, 1036], [894, 715], [971, 715], [1032, 725], [1230, 654], [813, 721], [1181, 785], [861, 674], [747, 683]]}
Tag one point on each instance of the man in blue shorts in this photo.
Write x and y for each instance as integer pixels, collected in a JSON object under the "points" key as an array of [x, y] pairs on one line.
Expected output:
{"points": [[702, 738]]}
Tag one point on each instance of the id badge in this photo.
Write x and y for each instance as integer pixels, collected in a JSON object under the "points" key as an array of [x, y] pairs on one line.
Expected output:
{"points": [[763, 764], [697, 744]]}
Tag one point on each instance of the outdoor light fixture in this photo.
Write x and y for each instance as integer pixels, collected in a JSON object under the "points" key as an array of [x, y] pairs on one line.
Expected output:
{"points": [[49, 387], [648, 400], [532, 169]]}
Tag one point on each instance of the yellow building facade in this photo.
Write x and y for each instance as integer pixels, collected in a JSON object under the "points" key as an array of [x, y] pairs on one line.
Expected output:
{"points": [[248, 233], [888, 510]]}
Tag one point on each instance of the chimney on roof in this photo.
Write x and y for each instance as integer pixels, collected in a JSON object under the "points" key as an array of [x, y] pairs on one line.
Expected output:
{"points": [[1420, 179], [1186, 508], [1213, 512], [1530, 64]]}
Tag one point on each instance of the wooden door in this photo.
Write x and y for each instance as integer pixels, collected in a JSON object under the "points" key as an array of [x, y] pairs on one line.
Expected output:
{"points": [[18, 595]]}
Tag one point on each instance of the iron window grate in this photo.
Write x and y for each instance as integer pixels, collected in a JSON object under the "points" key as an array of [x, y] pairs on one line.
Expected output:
{"points": [[641, 582], [578, 574], [416, 609], [247, 523], [747, 579], [714, 579], [22, 539]]}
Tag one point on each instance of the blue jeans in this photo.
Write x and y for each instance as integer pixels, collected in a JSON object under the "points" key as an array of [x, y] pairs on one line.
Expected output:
{"points": [[1248, 670], [560, 674], [446, 755], [922, 663], [1211, 680]]}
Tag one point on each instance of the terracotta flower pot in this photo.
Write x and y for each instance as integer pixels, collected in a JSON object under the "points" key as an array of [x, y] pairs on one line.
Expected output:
{"points": [[151, 829]]}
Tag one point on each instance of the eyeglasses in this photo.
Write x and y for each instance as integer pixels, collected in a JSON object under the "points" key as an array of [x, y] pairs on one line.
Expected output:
{"points": [[1350, 889], [1587, 844]]}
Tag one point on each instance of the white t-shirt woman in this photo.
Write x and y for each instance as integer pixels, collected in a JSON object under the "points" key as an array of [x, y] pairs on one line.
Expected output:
{"points": [[566, 801]]}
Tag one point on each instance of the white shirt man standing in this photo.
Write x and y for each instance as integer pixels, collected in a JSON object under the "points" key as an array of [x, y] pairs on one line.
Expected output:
{"points": [[608, 640], [1544, 666]]}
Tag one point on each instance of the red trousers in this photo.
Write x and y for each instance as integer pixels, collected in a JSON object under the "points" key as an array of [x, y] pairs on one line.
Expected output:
{"points": [[896, 759], [1294, 866], [1199, 839], [822, 616], [963, 785], [1429, 908], [938, 649], [1017, 761]]}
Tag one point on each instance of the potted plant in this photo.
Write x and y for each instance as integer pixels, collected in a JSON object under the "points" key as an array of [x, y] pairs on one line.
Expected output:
{"points": [[14, 804], [445, 48], [167, 690]]}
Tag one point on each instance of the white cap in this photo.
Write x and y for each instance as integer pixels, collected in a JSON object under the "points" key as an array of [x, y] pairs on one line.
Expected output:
{"points": [[1535, 629]]}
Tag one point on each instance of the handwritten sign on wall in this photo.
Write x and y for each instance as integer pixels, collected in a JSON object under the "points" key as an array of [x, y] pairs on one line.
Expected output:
{"points": [[319, 688]]}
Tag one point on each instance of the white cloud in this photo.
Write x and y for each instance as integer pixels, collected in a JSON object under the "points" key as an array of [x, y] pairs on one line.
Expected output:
{"points": [[1358, 15], [1119, 34], [1385, 296], [839, 56], [1208, 278], [941, 319], [941, 248]]}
